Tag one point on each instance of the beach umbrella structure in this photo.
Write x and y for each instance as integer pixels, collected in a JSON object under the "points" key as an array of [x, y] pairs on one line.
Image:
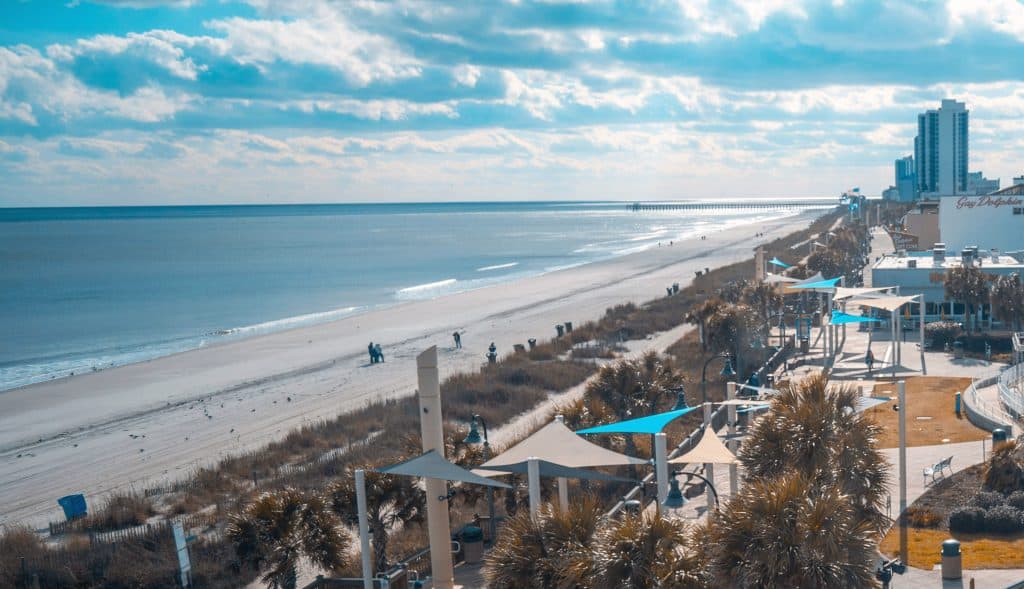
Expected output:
{"points": [[556, 451], [709, 450], [429, 465], [652, 425], [892, 304]]}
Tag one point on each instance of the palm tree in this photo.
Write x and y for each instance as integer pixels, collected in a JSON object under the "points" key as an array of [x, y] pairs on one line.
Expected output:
{"points": [[790, 532], [278, 529], [1008, 300], [968, 286], [763, 298], [644, 552], [732, 329], [391, 502], [549, 551], [699, 315], [815, 430]]}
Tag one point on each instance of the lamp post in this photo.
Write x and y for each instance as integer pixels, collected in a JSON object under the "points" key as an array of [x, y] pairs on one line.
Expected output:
{"points": [[473, 437], [727, 371], [675, 498]]}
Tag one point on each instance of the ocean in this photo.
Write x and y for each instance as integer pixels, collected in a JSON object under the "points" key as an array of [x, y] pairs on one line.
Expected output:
{"points": [[89, 288]]}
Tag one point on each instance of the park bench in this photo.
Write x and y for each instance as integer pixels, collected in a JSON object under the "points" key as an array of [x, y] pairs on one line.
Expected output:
{"points": [[937, 468]]}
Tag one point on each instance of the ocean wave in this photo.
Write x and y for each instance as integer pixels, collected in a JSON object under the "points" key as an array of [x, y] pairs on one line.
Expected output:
{"points": [[497, 267], [293, 321], [426, 290]]}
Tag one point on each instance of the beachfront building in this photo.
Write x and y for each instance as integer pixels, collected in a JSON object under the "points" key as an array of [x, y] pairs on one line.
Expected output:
{"points": [[891, 193], [1018, 180], [978, 184], [925, 273], [923, 223], [906, 179], [991, 221], [940, 149]]}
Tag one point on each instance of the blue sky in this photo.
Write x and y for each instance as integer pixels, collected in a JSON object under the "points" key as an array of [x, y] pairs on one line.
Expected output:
{"points": [[204, 101]]}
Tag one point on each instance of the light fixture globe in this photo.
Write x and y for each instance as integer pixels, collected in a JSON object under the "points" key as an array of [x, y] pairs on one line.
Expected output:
{"points": [[727, 370], [680, 399], [473, 437], [674, 499]]}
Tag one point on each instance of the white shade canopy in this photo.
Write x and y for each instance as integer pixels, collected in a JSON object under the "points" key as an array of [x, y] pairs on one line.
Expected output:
{"points": [[434, 466], [741, 402], [708, 450], [559, 445], [779, 279], [885, 303], [843, 293]]}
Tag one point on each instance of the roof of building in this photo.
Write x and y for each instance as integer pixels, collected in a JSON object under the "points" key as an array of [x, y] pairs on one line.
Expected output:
{"points": [[924, 260], [1012, 190]]}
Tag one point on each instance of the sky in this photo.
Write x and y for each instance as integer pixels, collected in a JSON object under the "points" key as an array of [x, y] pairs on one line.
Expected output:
{"points": [[144, 102]]}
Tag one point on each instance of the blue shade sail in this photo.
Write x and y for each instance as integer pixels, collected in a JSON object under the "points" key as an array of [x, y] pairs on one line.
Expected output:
{"points": [[779, 263], [432, 465], [650, 424], [840, 318], [824, 284]]}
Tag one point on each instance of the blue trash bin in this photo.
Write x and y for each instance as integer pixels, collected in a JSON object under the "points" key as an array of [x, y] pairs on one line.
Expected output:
{"points": [[73, 506]]}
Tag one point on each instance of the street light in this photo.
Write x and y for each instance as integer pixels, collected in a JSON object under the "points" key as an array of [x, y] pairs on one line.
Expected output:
{"points": [[680, 399], [473, 437], [727, 372], [675, 498]]}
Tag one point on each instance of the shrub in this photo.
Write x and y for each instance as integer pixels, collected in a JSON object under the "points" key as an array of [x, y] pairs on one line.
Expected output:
{"points": [[922, 517], [1016, 499], [988, 499], [942, 332], [1003, 519], [967, 520]]}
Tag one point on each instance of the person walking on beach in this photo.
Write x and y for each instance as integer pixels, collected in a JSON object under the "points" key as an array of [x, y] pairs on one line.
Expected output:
{"points": [[869, 359], [458, 340], [373, 353], [380, 353]]}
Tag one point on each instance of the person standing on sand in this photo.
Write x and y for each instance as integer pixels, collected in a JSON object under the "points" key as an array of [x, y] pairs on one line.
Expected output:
{"points": [[458, 340], [380, 353], [373, 353]]}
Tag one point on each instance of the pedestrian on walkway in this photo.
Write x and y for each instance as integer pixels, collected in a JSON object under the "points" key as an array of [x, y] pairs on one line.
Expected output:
{"points": [[869, 359]]}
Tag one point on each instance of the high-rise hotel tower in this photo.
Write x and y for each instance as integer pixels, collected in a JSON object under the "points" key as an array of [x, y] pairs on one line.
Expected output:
{"points": [[940, 149]]}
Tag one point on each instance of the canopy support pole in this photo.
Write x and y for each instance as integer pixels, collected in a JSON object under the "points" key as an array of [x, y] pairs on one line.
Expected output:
{"points": [[563, 483], [364, 529], [661, 466], [533, 484], [709, 469], [924, 367]]}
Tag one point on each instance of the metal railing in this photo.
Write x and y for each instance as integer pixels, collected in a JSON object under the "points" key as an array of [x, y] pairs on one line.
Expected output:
{"points": [[992, 411], [1010, 394]]}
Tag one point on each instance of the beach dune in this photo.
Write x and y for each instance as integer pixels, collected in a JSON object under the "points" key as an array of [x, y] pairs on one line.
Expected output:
{"points": [[141, 424]]}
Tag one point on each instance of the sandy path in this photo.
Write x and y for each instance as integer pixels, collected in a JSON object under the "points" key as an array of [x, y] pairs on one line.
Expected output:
{"points": [[140, 424]]}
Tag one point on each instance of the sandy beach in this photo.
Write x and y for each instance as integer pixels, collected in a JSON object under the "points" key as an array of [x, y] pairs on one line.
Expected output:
{"points": [[141, 424]]}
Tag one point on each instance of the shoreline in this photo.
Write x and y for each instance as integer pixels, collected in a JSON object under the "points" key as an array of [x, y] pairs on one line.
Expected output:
{"points": [[156, 420]]}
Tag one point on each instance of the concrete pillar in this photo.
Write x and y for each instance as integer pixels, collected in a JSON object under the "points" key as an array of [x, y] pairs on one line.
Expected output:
{"points": [[563, 483], [364, 529], [438, 527], [730, 393], [661, 466], [924, 367]]}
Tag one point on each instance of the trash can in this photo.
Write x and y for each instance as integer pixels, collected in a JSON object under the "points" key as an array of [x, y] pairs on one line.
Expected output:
{"points": [[472, 544], [533, 342], [805, 346], [951, 563], [999, 436], [957, 404], [560, 329], [958, 350], [73, 506], [568, 327]]}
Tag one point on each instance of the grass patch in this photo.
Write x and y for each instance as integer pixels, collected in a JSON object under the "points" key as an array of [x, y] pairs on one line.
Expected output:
{"points": [[930, 397], [980, 551]]}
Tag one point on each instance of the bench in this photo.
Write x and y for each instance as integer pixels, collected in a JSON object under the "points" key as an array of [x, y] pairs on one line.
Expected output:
{"points": [[937, 468]]}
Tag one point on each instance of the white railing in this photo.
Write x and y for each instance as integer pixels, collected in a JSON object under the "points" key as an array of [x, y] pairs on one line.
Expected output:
{"points": [[989, 410], [1010, 394]]}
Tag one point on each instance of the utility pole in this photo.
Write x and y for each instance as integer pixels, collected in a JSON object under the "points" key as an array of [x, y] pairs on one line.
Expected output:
{"points": [[901, 387]]}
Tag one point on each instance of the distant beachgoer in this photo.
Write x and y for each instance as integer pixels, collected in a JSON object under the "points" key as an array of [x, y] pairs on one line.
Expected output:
{"points": [[492, 348], [373, 353], [380, 353], [869, 359], [458, 339]]}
